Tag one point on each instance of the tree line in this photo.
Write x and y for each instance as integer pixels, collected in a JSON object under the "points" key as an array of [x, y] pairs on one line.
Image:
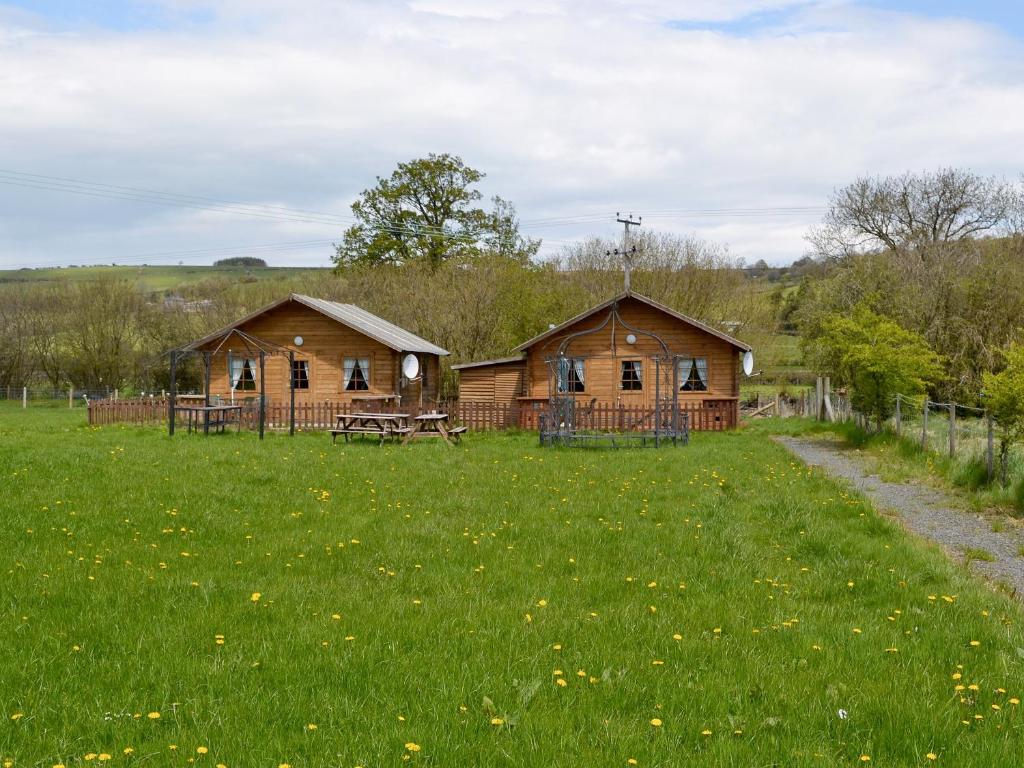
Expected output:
{"points": [[919, 289], [112, 332]]}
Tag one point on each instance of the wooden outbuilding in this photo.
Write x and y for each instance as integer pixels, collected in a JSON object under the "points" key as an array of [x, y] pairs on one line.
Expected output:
{"points": [[329, 350], [614, 355]]}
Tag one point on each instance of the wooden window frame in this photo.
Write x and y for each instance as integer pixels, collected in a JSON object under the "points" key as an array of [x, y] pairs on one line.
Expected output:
{"points": [[703, 387], [569, 388], [253, 372], [640, 376], [367, 375], [305, 363]]}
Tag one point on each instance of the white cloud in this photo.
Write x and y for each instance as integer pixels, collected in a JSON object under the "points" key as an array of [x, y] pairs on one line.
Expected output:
{"points": [[569, 107]]}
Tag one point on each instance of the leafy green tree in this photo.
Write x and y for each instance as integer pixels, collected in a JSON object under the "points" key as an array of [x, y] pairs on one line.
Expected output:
{"points": [[1004, 396], [876, 358], [427, 211]]}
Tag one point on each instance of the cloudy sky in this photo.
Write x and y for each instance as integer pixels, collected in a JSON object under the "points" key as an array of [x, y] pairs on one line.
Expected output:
{"points": [[135, 130]]}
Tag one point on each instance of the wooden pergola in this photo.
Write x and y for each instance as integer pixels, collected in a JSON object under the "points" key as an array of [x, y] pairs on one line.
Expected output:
{"points": [[254, 346]]}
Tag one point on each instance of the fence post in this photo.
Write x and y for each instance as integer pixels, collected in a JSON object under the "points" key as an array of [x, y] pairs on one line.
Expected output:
{"points": [[990, 466], [899, 418], [924, 425], [817, 398], [952, 430], [71, 397], [24, 397]]}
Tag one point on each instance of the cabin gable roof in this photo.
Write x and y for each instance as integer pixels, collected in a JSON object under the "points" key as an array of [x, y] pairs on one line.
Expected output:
{"points": [[356, 318], [644, 300]]}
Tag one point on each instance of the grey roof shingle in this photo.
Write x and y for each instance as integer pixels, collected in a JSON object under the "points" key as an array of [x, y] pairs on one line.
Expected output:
{"points": [[369, 324]]}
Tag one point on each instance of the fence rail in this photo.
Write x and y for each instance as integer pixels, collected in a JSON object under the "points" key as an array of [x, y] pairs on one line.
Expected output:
{"points": [[475, 415]]}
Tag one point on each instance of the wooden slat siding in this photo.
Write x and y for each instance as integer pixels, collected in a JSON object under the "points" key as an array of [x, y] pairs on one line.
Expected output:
{"points": [[497, 383]]}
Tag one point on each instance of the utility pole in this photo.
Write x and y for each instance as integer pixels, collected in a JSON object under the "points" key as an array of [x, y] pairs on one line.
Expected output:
{"points": [[627, 252]]}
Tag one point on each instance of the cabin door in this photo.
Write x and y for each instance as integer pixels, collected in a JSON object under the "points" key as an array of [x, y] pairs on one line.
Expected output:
{"points": [[632, 374]]}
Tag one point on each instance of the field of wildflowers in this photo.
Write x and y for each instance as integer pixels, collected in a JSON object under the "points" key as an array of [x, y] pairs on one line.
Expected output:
{"points": [[221, 602]]}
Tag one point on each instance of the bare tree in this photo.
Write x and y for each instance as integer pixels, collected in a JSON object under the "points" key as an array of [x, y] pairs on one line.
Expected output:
{"points": [[895, 213]]}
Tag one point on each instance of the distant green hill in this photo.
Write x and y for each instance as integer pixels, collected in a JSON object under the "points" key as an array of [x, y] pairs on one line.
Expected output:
{"points": [[152, 278]]}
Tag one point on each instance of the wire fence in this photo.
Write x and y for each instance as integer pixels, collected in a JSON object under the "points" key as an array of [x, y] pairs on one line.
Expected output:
{"points": [[72, 396], [960, 432]]}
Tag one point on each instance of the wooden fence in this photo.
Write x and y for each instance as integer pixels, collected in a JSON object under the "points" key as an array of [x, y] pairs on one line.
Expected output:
{"points": [[477, 416]]}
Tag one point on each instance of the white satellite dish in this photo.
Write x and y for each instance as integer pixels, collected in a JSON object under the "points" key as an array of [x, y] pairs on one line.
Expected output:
{"points": [[410, 366], [748, 363], [631, 339], [298, 341]]}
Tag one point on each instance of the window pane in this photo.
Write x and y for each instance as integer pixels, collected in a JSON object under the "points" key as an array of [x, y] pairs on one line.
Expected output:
{"points": [[631, 378], [300, 374], [357, 374], [693, 375], [247, 379]]}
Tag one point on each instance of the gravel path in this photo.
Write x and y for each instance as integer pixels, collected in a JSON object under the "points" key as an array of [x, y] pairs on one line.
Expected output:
{"points": [[928, 512]]}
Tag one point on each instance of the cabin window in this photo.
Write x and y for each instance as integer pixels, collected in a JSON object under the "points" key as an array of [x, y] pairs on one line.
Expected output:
{"points": [[571, 374], [693, 374], [300, 374], [243, 374], [631, 379], [357, 374]]}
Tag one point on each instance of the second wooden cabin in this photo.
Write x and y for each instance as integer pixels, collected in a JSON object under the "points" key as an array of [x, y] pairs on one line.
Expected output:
{"points": [[615, 363]]}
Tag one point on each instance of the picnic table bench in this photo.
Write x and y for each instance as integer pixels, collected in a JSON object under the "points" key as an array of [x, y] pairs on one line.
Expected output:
{"points": [[434, 425], [382, 425], [206, 416]]}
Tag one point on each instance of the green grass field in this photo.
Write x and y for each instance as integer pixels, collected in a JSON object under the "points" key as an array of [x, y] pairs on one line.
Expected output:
{"points": [[221, 601]]}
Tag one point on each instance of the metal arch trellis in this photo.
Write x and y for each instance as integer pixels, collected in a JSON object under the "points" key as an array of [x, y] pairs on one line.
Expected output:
{"points": [[252, 343], [560, 425]]}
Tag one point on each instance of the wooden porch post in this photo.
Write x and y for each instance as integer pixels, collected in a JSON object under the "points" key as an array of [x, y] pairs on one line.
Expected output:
{"points": [[173, 393], [291, 391], [263, 391], [206, 393]]}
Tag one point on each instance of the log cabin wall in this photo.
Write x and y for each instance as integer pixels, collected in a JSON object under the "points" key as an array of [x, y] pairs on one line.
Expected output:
{"points": [[326, 343], [495, 383], [606, 349]]}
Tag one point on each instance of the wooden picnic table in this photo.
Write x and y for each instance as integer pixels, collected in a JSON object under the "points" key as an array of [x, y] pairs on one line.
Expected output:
{"points": [[434, 425], [210, 415], [382, 425]]}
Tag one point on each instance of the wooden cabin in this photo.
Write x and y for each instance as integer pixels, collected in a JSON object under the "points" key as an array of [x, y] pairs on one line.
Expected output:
{"points": [[342, 353], [627, 351]]}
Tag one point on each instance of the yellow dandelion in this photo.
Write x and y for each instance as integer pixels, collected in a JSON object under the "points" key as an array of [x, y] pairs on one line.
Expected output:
{"points": [[104, 757], [255, 597], [497, 721], [412, 746], [202, 750], [975, 643], [931, 756], [128, 750], [17, 716], [311, 726], [865, 758], [706, 732], [153, 715], [656, 722]]}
